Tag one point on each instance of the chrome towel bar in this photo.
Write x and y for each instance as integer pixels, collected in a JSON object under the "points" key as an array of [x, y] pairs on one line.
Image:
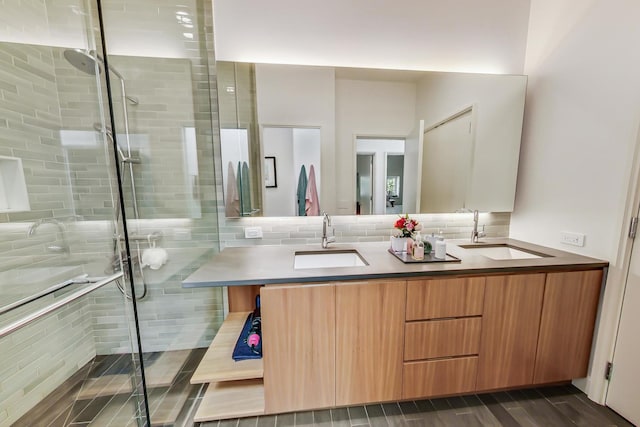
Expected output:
{"points": [[20, 323], [79, 280]]}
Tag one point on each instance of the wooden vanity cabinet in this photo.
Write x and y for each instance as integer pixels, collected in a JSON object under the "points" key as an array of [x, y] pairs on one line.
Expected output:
{"points": [[344, 343], [332, 344], [566, 328], [298, 336], [510, 325], [369, 338]]}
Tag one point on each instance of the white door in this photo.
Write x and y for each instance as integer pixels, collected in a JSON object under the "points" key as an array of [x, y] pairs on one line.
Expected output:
{"points": [[623, 394], [446, 164], [364, 184]]}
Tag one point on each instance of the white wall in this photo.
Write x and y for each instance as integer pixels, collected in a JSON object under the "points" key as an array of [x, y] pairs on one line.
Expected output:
{"points": [[467, 35], [581, 123], [497, 102], [278, 201], [367, 108], [580, 130], [302, 97]]}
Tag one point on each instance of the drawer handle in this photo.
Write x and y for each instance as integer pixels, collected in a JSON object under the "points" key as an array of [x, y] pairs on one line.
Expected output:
{"points": [[437, 319]]}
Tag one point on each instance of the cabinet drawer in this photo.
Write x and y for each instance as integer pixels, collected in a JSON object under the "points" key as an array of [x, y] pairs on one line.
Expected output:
{"points": [[439, 377], [442, 338], [437, 298]]}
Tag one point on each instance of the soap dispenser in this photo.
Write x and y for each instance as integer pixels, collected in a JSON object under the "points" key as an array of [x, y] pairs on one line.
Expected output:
{"points": [[418, 248], [441, 248]]}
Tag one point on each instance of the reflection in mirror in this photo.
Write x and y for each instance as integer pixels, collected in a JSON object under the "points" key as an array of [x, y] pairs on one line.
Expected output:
{"points": [[446, 162], [235, 181], [364, 184], [296, 151], [347, 106], [377, 160], [394, 187], [239, 139]]}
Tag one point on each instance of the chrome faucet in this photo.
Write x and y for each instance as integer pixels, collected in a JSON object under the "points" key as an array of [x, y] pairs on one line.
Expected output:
{"points": [[61, 248], [326, 222], [475, 234]]}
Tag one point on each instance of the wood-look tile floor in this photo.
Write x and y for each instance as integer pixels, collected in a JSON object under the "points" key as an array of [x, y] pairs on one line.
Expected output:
{"points": [[101, 393], [551, 406]]}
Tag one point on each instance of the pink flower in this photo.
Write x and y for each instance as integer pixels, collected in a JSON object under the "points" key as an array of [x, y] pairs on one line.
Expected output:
{"points": [[406, 225]]}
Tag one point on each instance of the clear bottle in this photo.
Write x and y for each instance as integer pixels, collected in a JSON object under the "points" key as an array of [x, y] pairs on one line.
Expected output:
{"points": [[432, 242], [441, 248], [410, 243], [418, 248]]}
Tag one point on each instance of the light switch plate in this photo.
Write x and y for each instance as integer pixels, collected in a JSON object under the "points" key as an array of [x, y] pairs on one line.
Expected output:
{"points": [[253, 232], [570, 238]]}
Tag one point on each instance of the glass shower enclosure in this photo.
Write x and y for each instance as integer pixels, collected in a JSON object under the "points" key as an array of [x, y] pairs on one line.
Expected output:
{"points": [[107, 201]]}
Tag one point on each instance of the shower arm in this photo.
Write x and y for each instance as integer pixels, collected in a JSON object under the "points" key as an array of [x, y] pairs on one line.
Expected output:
{"points": [[125, 112]]}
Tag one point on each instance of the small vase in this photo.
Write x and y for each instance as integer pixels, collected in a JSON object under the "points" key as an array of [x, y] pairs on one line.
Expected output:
{"points": [[399, 244]]}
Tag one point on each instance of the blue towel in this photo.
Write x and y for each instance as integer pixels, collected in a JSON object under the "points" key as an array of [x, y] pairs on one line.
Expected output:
{"points": [[301, 192], [242, 351], [245, 190]]}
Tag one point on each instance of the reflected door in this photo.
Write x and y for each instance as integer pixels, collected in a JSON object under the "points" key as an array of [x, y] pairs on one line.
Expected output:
{"points": [[393, 184], [446, 164], [364, 184]]}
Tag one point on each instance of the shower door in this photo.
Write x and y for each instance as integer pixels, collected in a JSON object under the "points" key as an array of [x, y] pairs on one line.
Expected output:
{"points": [[161, 70], [68, 336]]}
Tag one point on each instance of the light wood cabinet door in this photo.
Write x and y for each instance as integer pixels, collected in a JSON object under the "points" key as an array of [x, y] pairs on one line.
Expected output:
{"points": [[298, 341], [369, 341], [510, 325], [566, 329]]}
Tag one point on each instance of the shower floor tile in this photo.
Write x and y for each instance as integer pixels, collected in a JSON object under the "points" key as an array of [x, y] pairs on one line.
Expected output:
{"points": [[101, 393]]}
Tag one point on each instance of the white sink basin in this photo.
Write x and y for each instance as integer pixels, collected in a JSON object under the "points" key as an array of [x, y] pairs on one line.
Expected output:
{"points": [[502, 252], [328, 259]]}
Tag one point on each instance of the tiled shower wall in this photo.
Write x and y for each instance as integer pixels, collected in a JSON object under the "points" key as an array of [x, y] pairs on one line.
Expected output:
{"points": [[41, 94], [172, 94], [36, 358]]}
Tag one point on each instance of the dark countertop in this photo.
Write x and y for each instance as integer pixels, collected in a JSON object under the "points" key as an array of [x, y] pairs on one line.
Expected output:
{"points": [[274, 264]]}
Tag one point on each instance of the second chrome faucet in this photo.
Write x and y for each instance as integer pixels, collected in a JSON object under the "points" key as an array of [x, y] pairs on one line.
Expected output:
{"points": [[326, 223], [475, 234]]}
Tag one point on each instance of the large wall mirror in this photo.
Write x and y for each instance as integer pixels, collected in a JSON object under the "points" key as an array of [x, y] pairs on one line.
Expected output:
{"points": [[297, 140]]}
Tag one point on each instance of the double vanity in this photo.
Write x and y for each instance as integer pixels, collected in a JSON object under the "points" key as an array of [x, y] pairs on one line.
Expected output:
{"points": [[353, 324]]}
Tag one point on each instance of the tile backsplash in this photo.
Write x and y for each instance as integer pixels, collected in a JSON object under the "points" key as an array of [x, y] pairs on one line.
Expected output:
{"points": [[352, 228]]}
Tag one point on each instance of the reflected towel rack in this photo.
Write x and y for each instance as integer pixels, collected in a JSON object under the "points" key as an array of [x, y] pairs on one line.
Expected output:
{"points": [[151, 237], [20, 323]]}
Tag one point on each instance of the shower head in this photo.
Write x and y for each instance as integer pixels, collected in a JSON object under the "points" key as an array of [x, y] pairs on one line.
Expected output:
{"points": [[83, 61], [87, 63]]}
